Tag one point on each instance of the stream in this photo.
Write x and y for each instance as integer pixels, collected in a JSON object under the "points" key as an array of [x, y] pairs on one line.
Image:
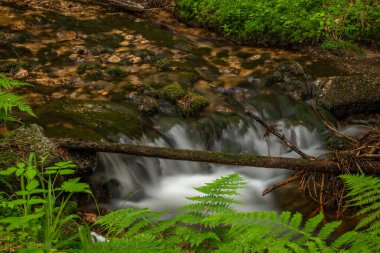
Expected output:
{"points": [[96, 104]]}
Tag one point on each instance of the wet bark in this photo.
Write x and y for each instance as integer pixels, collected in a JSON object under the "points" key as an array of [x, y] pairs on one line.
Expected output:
{"points": [[126, 5], [295, 164]]}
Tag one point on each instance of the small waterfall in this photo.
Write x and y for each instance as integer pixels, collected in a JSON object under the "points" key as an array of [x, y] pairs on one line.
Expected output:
{"points": [[163, 184]]}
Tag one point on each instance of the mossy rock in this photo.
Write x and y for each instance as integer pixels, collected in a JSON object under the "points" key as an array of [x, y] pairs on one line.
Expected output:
{"points": [[33, 139], [94, 75], [164, 64], [173, 92], [83, 67], [117, 72], [348, 95], [91, 119], [13, 67], [69, 229], [192, 104], [144, 103]]}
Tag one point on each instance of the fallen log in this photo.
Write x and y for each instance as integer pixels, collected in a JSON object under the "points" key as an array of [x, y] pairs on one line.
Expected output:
{"points": [[295, 164], [126, 5]]}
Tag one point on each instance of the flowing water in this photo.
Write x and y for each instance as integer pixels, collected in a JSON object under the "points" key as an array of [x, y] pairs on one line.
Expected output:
{"points": [[70, 104]]}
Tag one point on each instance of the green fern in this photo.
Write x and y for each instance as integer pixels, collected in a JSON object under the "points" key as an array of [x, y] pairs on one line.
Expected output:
{"points": [[364, 191], [10, 101], [8, 84], [210, 224]]}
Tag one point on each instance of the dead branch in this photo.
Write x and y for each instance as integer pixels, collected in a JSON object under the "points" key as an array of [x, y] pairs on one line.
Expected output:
{"points": [[323, 165], [273, 130]]}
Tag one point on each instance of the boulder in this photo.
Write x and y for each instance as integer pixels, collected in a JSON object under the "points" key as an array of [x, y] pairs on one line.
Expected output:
{"points": [[91, 119], [349, 95]]}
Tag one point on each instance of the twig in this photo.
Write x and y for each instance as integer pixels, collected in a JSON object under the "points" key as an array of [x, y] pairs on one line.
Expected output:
{"points": [[327, 125], [270, 128], [280, 184]]}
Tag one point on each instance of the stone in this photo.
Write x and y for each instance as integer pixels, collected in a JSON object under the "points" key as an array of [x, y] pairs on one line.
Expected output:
{"points": [[18, 25], [80, 50], [114, 59], [348, 95], [21, 74], [144, 103], [67, 36], [124, 43], [33, 139], [135, 59], [172, 92], [192, 104]]}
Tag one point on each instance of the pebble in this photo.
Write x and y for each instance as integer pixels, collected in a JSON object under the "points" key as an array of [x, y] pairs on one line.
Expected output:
{"points": [[21, 74], [80, 50], [114, 59], [70, 35], [19, 25], [124, 43]]}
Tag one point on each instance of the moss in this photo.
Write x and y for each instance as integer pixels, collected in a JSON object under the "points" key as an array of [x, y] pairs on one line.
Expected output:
{"points": [[69, 229], [336, 142], [70, 208], [117, 72], [13, 67], [95, 75], [172, 92], [83, 67], [7, 156], [164, 64], [191, 104]]}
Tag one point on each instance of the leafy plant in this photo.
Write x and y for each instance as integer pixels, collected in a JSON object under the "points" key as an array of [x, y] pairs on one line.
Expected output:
{"points": [[40, 202], [286, 22], [9, 101], [211, 224]]}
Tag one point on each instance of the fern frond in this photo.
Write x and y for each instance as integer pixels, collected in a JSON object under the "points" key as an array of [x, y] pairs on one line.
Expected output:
{"points": [[9, 101], [8, 84], [132, 219], [364, 191]]}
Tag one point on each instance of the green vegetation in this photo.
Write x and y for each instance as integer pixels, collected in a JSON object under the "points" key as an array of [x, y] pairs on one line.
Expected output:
{"points": [[173, 92], [164, 64], [117, 72], [10, 101], [192, 103], [36, 215], [285, 22]]}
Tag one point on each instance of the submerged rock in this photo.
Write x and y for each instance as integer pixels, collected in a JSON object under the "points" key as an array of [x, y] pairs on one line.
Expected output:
{"points": [[290, 78], [347, 95], [91, 119], [21, 74]]}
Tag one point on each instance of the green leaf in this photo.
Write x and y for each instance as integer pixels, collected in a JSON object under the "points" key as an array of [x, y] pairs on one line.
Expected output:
{"points": [[32, 185], [30, 173], [73, 185], [35, 201], [8, 171], [17, 202], [66, 172], [19, 172]]}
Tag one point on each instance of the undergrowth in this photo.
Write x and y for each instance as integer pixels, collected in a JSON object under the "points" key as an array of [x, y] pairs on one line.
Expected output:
{"points": [[285, 22], [9, 101], [33, 217], [211, 224]]}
